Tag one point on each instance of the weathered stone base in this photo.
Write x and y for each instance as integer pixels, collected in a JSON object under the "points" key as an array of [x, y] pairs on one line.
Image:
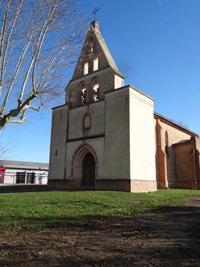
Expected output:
{"points": [[103, 184], [172, 184], [187, 185], [178, 185], [162, 185], [143, 186], [113, 184], [125, 185], [68, 184]]}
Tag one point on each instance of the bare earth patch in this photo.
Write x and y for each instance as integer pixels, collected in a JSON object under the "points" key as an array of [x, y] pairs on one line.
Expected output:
{"points": [[169, 237]]}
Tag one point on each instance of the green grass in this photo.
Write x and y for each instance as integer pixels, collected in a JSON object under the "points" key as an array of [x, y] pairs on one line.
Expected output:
{"points": [[50, 209]]}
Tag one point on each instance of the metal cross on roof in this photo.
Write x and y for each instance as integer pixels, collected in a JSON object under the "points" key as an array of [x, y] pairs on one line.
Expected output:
{"points": [[95, 11]]}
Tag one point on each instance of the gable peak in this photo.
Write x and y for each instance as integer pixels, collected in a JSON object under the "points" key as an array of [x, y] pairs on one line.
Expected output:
{"points": [[95, 24], [95, 55]]}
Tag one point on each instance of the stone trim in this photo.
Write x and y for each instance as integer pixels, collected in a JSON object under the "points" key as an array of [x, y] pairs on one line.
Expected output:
{"points": [[60, 108], [142, 100], [128, 87], [77, 160], [86, 138], [173, 124], [139, 186], [116, 94], [135, 89], [107, 184]]}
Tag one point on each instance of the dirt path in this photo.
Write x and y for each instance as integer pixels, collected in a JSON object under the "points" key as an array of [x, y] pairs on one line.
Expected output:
{"points": [[170, 237]]}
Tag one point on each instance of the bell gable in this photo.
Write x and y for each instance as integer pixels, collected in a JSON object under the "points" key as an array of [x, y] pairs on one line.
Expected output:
{"points": [[95, 72]]}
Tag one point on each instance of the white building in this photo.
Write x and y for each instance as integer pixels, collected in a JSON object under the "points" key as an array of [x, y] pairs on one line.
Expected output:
{"points": [[20, 172]]}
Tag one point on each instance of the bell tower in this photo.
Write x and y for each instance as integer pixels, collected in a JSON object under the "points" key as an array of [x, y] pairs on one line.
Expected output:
{"points": [[96, 72]]}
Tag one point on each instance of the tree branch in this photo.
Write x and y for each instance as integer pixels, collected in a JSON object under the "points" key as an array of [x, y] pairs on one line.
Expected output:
{"points": [[8, 41], [33, 59]]}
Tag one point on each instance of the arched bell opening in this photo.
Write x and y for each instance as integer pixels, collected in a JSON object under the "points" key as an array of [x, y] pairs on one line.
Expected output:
{"points": [[83, 94], [95, 90]]}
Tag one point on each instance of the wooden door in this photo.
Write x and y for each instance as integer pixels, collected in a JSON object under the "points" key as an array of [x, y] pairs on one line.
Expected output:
{"points": [[89, 170]]}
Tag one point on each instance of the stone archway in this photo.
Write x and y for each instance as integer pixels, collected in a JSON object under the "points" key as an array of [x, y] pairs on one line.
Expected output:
{"points": [[84, 162]]}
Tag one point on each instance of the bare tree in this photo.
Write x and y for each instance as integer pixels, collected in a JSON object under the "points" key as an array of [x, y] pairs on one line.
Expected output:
{"points": [[38, 42], [6, 148]]}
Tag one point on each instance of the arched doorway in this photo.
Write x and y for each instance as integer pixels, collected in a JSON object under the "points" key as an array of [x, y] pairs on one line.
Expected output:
{"points": [[89, 170], [84, 166]]}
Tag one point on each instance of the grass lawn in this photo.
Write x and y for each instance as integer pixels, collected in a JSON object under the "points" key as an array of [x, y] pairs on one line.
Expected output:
{"points": [[20, 211]]}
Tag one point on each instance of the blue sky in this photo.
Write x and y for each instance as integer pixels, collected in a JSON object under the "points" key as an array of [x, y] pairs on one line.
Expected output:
{"points": [[156, 46]]}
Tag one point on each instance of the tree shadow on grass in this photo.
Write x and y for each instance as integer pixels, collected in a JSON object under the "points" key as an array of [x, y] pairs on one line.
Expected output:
{"points": [[4, 189], [169, 236]]}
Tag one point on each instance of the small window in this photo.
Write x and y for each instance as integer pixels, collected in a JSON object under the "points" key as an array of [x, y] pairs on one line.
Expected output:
{"points": [[30, 178], [166, 144], [96, 62], [91, 45], [85, 67], [20, 177], [86, 121], [95, 90], [83, 94]]}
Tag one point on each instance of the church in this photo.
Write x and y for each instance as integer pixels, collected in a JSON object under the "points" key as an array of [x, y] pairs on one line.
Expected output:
{"points": [[107, 136]]}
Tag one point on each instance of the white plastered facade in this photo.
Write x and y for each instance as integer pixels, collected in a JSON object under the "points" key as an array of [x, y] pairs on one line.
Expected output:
{"points": [[110, 129]]}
